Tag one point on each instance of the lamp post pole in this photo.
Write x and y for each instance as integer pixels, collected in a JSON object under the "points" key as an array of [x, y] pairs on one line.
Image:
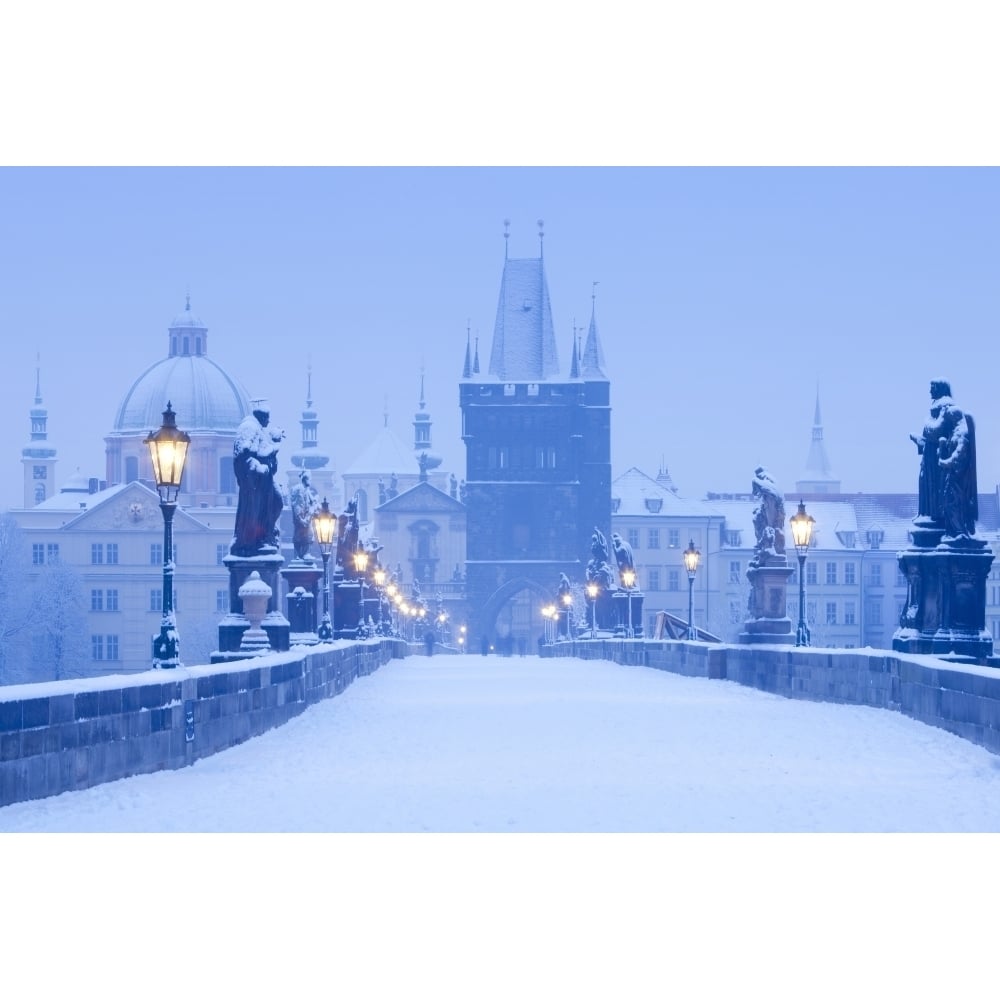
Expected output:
{"points": [[361, 566], [691, 557], [379, 577], [628, 578], [168, 451], [324, 528], [802, 528], [592, 590]]}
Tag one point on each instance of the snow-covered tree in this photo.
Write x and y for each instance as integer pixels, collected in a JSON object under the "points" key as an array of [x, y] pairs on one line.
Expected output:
{"points": [[16, 610], [59, 629]]}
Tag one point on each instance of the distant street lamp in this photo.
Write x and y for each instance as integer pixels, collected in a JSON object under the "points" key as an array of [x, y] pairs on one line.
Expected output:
{"points": [[567, 600], [592, 592], [168, 449], [325, 530], [691, 557], [802, 529], [628, 578]]}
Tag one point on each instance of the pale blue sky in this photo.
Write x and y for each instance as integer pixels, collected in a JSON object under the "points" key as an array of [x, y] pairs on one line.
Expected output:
{"points": [[725, 296]]}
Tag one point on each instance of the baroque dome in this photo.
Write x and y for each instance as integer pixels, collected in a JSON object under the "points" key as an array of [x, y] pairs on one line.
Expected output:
{"points": [[203, 395]]}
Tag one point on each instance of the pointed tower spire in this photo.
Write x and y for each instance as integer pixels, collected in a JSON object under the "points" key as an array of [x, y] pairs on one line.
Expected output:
{"points": [[592, 367], [524, 345], [467, 367], [506, 237], [475, 363], [574, 366], [38, 458], [541, 238], [818, 476]]}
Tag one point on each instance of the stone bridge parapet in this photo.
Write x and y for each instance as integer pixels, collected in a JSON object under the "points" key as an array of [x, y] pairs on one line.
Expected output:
{"points": [[962, 698], [62, 736]]}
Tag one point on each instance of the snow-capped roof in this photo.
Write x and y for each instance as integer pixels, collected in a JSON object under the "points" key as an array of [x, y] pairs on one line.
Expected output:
{"points": [[634, 493], [385, 455]]}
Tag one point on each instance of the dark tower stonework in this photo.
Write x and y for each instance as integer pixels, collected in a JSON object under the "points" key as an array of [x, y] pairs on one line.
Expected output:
{"points": [[538, 463]]}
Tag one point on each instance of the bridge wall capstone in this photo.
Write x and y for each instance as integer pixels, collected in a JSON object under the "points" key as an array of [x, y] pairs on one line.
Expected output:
{"points": [[963, 699], [62, 736]]}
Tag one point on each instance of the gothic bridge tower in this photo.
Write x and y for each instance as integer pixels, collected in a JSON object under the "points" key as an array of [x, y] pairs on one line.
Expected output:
{"points": [[538, 460]]}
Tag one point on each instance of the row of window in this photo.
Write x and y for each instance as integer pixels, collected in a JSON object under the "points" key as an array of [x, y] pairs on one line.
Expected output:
{"points": [[520, 458], [812, 574], [104, 647], [105, 554], [833, 613], [653, 538]]}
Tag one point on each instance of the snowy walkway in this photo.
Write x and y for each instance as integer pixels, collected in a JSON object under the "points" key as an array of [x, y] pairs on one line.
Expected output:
{"points": [[525, 744]]}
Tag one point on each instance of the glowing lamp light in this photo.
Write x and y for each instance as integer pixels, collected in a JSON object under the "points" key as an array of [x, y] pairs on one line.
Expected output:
{"points": [[628, 577], [324, 526], [691, 559], [802, 529], [361, 560], [168, 448]]}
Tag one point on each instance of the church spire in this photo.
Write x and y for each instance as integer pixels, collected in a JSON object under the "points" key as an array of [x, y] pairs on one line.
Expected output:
{"points": [[38, 458], [475, 363], [818, 476]]}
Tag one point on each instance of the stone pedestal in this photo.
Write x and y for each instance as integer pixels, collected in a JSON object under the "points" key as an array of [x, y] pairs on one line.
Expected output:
{"points": [[768, 620], [345, 606], [275, 624], [620, 601], [303, 608], [945, 611]]}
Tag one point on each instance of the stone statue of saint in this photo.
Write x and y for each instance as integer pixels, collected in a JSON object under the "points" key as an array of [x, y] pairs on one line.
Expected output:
{"points": [[255, 462], [598, 568], [623, 553], [768, 519], [947, 487], [304, 504]]}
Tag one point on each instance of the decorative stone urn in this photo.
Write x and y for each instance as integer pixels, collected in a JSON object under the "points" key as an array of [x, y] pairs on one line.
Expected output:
{"points": [[255, 594]]}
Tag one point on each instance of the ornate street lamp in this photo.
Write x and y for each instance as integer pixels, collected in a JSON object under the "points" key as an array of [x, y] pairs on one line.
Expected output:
{"points": [[325, 530], [567, 599], [628, 578], [691, 557], [168, 449], [802, 529], [592, 592]]}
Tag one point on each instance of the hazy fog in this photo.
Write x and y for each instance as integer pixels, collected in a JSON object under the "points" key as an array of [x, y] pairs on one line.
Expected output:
{"points": [[725, 297]]}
